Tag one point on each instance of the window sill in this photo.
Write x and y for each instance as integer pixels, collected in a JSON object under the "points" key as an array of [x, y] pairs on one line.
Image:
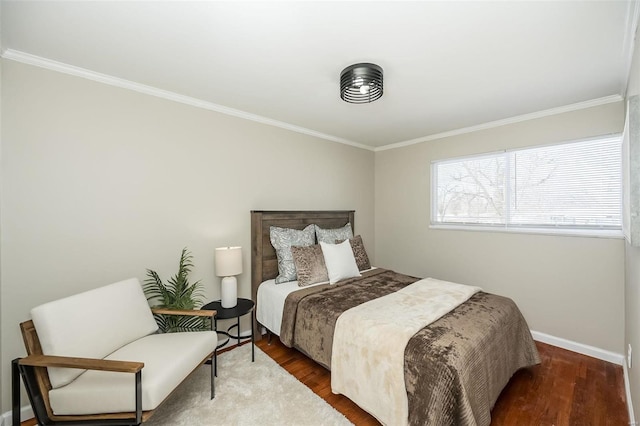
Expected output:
{"points": [[589, 233]]}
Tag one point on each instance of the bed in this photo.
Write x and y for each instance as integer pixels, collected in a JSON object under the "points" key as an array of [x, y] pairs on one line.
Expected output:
{"points": [[452, 370]]}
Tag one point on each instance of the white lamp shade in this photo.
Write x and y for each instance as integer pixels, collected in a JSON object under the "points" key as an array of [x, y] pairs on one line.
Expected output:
{"points": [[228, 261]]}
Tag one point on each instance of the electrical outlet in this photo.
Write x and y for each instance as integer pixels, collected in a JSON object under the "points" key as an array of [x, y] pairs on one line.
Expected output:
{"points": [[629, 352]]}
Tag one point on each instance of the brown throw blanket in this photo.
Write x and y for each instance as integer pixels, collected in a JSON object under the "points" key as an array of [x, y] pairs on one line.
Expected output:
{"points": [[455, 368]]}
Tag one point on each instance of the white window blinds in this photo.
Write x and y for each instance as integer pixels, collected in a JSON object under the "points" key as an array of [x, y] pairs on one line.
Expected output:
{"points": [[575, 185]]}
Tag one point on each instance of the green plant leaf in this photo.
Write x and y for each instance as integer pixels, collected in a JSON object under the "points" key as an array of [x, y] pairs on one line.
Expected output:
{"points": [[177, 294]]}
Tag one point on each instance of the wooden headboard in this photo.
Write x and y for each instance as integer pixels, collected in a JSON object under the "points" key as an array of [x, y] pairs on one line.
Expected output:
{"points": [[264, 264]]}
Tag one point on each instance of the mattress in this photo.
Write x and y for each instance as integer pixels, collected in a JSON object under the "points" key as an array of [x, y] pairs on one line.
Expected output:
{"points": [[271, 298]]}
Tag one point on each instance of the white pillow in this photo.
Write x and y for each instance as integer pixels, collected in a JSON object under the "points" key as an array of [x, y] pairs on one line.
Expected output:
{"points": [[340, 261]]}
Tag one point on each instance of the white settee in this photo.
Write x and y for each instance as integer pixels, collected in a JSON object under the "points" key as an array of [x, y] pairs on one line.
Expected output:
{"points": [[110, 323]]}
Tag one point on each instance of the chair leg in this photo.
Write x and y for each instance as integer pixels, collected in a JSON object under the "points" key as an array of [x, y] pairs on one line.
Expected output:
{"points": [[139, 397], [27, 374], [15, 392], [213, 375], [214, 364]]}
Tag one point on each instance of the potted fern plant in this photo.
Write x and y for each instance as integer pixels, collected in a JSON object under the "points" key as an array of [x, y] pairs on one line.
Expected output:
{"points": [[177, 294]]}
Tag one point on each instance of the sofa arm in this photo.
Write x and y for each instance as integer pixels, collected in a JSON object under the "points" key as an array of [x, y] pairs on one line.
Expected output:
{"points": [[81, 363], [195, 313], [21, 366]]}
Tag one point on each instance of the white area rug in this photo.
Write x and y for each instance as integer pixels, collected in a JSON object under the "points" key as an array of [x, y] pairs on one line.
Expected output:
{"points": [[258, 393]]}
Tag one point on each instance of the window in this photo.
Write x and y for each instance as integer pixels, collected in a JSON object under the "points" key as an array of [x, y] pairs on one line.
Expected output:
{"points": [[574, 186]]}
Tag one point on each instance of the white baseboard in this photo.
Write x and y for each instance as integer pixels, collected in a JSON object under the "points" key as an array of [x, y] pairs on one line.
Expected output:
{"points": [[26, 413], [627, 388], [580, 348]]}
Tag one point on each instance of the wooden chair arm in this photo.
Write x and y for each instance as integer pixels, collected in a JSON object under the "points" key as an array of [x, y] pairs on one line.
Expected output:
{"points": [[194, 313], [82, 363]]}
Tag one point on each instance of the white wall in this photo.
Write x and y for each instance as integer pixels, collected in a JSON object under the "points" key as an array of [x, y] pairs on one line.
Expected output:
{"points": [[100, 183], [568, 287], [2, 359], [632, 321], [632, 258]]}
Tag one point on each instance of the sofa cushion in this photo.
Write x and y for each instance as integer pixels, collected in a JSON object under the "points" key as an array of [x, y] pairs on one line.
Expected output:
{"points": [[168, 360], [92, 324]]}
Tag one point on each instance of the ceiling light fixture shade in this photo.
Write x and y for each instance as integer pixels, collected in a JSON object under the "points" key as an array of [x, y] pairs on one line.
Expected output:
{"points": [[361, 83]]}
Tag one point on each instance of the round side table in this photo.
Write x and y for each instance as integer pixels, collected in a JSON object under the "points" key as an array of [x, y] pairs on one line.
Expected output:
{"points": [[243, 307]]}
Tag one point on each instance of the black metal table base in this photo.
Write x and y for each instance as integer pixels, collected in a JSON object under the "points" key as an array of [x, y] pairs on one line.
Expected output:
{"points": [[237, 337], [231, 336], [243, 307]]}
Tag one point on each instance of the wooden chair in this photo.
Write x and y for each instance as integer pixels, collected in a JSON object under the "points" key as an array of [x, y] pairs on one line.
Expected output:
{"points": [[33, 370]]}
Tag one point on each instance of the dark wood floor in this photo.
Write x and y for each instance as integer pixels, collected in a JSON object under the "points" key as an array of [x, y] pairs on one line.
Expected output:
{"points": [[565, 389]]}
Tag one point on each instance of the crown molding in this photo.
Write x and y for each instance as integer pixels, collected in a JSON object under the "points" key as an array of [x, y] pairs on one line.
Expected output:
{"points": [[49, 64], [517, 119], [41, 62]]}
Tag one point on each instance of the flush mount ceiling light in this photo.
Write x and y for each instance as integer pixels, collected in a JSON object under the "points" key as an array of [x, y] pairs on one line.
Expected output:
{"points": [[361, 83]]}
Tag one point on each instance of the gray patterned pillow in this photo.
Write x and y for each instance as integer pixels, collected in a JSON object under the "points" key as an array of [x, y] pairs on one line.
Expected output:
{"points": [[310, 265], [282, 239], [360, 254], [330, 236]]}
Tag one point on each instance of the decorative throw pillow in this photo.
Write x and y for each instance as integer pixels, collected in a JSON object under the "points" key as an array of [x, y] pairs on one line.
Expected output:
{"points": [[310, 265], [282, 239], [330, 236], [340, 261], [360, 254]]}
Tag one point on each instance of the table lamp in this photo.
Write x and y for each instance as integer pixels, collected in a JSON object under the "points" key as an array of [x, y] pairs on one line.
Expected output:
{"points": [[228, 262]]}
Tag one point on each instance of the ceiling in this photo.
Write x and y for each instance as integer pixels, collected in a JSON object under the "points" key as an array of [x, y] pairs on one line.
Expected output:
{"points": [[447, 64]]}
